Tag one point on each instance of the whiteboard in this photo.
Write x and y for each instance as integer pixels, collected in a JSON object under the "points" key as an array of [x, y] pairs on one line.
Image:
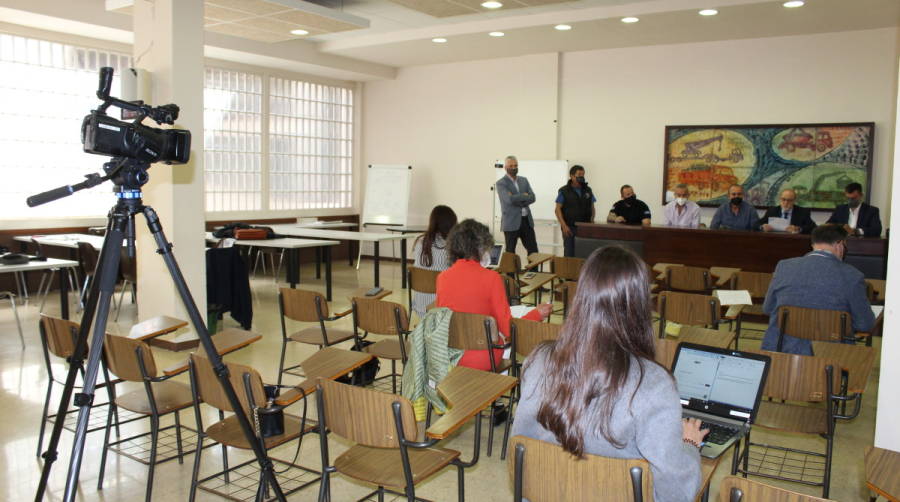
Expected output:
{"points": [[545, 178], [387, 194]]}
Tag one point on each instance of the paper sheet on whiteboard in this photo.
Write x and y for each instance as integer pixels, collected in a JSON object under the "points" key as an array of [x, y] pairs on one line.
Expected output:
{"points": [[779, 224], [734, 297]]}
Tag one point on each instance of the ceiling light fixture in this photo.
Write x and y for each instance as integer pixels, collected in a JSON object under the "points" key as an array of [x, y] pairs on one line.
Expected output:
{"points": [[630, 19], [793, 4], [491, 5], [299, 32], [439, 40], [496, 33], [562, 27], [708, 12]]}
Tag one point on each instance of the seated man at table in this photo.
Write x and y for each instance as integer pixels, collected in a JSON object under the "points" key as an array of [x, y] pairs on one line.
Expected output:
{"points": [[682, 212], [857, 217], [818, 280], [736, 214], [630, 210], [798, 219]]}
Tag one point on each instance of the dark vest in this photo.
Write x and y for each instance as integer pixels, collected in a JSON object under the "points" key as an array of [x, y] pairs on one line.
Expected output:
{"points": [[576, 208]]}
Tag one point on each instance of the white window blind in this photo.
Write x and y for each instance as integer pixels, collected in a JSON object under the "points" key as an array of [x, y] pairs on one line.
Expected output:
{"points": [[46, 89]]}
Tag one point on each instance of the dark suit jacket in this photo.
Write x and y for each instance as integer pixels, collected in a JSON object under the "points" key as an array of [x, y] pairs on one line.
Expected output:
{"points": [[799, 218], [868, 221]]}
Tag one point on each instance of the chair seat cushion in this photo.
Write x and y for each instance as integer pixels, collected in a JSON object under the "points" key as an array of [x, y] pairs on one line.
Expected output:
{"points": [[792, 418], [169, 395], [385, 349], [313, 336], [383, 466], [228, 432]]}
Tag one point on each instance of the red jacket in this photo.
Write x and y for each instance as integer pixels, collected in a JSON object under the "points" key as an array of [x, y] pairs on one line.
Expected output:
{"points": [[468, 287]]}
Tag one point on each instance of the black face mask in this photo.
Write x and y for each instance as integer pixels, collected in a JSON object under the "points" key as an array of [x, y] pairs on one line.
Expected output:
{"points": [[736, 201], [854, 203], [581, 180], [512, 172], [631, 198]]}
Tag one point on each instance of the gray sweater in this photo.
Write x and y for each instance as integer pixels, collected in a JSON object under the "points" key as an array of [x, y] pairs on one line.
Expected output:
{"points": [[649, 426]]}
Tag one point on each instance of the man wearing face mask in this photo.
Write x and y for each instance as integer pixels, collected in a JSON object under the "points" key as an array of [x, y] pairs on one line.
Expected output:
{"points": [[515, 196], [682, 212], [818, 280], [736, 214], [857, 217], [630, 210], [574, 204], [799, 220]]}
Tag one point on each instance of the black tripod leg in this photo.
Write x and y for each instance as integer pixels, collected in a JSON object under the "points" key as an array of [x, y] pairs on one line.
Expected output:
{"points": [[165, 249]]}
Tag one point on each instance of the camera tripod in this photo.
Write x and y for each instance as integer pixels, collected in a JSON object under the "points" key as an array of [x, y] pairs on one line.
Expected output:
{"points": [[129, 176]]}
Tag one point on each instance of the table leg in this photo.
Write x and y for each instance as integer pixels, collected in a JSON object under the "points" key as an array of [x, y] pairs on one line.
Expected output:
{"points": [[377, 282], [327, 252], [350, 253], [403, 263], [293, 267], [318, 263], [63, 293]]}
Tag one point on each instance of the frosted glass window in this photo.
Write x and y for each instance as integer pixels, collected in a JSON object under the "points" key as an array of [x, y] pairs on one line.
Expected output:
{"points": [[46, 89], [232, 125], [310, 145]]}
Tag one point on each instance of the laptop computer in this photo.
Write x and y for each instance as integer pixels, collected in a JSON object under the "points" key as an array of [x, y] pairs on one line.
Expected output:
{"points": [[722, 388], [496, 251]]}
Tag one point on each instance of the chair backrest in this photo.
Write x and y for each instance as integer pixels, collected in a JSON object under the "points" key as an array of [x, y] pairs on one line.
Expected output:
{"points": [[569, 290], [814, 324], [513, 290], [467, 331], [551, 474], [757, 283], [300, 304], [87, 257], [793, 377], [379, 317], [527, 334], [567, 267], [210, 390], [423, 280], [510, 263], [665, 351], [365, 416], [121, 357], [685, 278], [60, 335], [688, 308], [738, 489]]}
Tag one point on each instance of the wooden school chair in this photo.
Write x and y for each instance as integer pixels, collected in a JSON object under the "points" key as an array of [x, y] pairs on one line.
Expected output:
{"points": [[544, 472], [757, 283], [311, 307], [510, 264], [666, 347], [380, 317], [736, 489], [420, 280], [687, 309], [386, 452], [567, 270], [568, 296], [815, 325], [882, 467], [688, 279]]}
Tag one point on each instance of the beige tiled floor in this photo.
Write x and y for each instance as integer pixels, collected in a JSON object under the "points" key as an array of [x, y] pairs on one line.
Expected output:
{"points": [[23, 384]]}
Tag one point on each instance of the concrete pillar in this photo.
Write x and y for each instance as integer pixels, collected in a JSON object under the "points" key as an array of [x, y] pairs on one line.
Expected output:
{"points": [[168, 42]]}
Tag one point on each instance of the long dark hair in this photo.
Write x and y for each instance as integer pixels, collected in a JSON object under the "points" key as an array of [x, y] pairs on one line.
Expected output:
{"points": [[608, 324], [440, 222]]}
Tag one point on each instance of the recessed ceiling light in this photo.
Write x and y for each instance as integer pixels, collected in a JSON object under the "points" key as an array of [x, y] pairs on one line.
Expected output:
{"points": [[496, 33], [793, 3], [708, 12], [630, 19], [491, 5], [299, 32], [439, 40], [563, 27]]}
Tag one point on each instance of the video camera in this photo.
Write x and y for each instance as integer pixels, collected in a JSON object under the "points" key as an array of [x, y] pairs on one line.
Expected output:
{"points": [[105, 135]]}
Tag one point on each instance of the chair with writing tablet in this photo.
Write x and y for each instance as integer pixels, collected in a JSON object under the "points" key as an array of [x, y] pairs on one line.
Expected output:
{"points": [[687, 309]]}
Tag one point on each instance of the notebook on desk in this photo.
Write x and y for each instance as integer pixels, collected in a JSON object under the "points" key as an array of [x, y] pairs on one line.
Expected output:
{"points": [[722, 388]]}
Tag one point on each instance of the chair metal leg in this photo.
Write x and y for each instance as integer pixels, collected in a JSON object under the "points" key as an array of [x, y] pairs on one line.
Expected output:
{"points": [[461, 483], [105, 448], [12, 302], [827, 477], [195, 473], [121, 297], [44, 417], [509, 420], [393, 376], [178, 438], [490, 444], [281, 364], [154, 438], [224, 453]]}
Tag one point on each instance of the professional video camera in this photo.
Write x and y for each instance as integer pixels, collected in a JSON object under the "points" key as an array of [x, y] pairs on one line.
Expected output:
{"points": [[105, 135]]}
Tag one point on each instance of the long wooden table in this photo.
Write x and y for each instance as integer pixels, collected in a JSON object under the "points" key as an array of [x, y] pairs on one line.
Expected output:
{"points": [[750, 251]]}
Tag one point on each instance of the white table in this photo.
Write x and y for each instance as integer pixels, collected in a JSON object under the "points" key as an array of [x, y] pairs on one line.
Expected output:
{"points": [[325, 224], [69, 241], [342, 235], [51, 264], [292, 246]]}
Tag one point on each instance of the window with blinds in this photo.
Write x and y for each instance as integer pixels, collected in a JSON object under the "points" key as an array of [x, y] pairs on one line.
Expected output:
{"points": [[46, 89]]}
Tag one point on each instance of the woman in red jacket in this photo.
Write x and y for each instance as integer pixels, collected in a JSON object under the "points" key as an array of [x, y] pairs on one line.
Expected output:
{"points": [[469, 287]]}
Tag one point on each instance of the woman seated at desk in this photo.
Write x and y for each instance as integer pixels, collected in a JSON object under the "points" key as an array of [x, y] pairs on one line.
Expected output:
{"points": [[469, 287], [430, 251], [597, 390]]}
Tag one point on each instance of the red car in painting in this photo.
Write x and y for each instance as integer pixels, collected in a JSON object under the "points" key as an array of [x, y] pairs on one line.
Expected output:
{"points": [[798, 138]]}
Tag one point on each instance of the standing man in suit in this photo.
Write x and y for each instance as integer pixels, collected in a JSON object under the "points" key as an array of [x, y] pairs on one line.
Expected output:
{"points": [[515, 196], [857, 217], [818, 280], [799, 221], [574, 204]]}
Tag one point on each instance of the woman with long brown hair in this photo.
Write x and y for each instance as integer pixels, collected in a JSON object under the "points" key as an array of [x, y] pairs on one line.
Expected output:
{"points": [[597, 390], [430, 251]]}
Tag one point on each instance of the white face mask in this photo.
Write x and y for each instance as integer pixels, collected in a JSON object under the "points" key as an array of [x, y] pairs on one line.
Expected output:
{"points": [[486, 259], [681, 200]]}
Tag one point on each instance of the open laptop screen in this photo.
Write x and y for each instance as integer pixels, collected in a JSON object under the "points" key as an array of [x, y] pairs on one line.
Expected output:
{"points": [[721, 382], [496, 251]]}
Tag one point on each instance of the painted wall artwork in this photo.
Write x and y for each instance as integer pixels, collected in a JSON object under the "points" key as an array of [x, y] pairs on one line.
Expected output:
{"points": [[816, 160]]}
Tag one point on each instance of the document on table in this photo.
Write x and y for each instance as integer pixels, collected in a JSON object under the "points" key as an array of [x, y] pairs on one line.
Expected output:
{"points": [[520, 311], [877, 310], [734, 297], [779, 224]]}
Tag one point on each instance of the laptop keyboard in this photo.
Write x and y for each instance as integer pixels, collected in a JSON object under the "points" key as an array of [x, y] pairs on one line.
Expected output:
{"points": [[718, 434]]}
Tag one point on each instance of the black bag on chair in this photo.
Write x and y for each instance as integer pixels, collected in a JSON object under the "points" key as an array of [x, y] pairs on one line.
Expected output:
{"points": [[270, 419], [365, 374]]}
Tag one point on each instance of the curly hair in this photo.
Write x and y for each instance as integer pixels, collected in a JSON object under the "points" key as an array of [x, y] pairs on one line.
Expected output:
{"points": [[468, 240]]}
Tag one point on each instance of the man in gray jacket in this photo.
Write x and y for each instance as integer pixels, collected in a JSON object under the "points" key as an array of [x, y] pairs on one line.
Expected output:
{"points": [[818, 280], [515, 197]]}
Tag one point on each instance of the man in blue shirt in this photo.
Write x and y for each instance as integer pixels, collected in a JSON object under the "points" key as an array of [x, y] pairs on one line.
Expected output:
{"points": [[574, 203], [736, 214]]}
